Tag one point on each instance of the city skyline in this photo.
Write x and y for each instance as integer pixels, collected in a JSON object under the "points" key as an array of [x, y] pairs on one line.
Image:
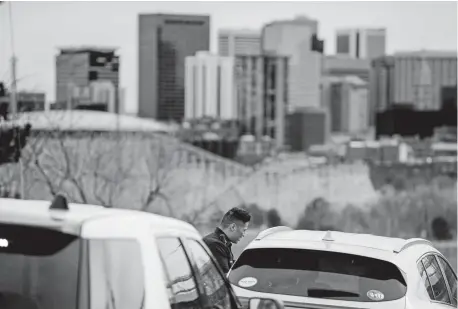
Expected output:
{"points": [[410, 26]]}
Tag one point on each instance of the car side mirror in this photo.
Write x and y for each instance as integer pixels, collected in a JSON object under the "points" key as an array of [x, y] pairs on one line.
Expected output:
{"points": [[265, 303]]}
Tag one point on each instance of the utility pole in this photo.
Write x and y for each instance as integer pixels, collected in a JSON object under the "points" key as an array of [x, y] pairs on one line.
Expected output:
{"points": [[14, 112], [13, 94]]}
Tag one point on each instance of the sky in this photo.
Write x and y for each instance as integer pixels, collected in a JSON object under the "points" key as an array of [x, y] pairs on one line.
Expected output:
{"points": [[40, 28]]}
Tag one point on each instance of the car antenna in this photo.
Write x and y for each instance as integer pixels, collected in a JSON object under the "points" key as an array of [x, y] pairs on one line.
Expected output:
{"points": [[328, 236]]}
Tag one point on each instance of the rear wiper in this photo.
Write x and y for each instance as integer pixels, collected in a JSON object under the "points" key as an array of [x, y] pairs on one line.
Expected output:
{"points": [[324, 293]]}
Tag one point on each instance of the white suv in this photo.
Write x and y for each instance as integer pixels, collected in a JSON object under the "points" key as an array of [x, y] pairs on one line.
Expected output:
{"points": [[69, 256], [314, 269]]}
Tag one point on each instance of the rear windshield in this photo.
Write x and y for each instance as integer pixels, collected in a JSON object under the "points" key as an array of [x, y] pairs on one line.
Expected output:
{"points": [[318, 274], [38, 268], [47, 269]]}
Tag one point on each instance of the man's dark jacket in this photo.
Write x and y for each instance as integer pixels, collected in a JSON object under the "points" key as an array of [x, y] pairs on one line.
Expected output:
{"points": [[220, 245]]}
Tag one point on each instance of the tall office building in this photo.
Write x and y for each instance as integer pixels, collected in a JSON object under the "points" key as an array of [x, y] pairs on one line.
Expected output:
{"points": [[361, 43], [412, 93], [419, 79], [297, 39], [232, 42], [210, 87], [77, 68], [313, 121], [347, 100], [164, 43], [262, 83]]}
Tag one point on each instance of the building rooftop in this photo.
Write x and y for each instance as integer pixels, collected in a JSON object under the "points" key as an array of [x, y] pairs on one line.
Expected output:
{"points": [[340, 62], [298, 20], [350, 79], [427, 53], [86, 49], [366, 29], [245, 31], [174, 15]]}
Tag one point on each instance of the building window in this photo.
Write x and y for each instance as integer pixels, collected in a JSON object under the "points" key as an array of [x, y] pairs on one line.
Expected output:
{"points": [[218, 92], [343, 44]]}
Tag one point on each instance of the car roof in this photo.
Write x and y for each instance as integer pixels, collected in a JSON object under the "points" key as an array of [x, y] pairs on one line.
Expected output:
{"points": [[38, 213], [383, 247]]}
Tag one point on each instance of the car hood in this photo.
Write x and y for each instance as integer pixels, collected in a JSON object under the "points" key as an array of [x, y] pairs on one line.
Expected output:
{"points": [[295, 302]]}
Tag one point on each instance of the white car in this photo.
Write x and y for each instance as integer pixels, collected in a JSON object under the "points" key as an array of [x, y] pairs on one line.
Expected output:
{"points": [[69, 256], [315, 269]]}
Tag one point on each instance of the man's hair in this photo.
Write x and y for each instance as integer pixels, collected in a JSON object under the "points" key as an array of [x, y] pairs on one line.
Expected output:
{"points": [[235, 214]]}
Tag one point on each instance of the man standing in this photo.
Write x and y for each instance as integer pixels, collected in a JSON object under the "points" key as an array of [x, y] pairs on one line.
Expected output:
{"points": [[231, 229]]}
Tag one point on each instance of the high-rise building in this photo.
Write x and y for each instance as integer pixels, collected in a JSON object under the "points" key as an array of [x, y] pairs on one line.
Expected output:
{"points": [[306, 127], [361, 43], [412, 93], [164, 43], [262, 83], [347, 100], [297, 38], [232, 42], [417, 79], [210, 87], [77, 68]]}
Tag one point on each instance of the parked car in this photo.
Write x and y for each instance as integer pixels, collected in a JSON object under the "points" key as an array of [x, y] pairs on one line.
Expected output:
{"points": [[70, 256], [316, 269]]}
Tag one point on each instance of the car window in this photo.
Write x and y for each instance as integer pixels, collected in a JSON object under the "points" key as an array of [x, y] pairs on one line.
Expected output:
{"points": [[425, 279], [213, 283], [116, 274], [181, 283], [450, 277], [436, 279], [318, 274], [38, 268]]}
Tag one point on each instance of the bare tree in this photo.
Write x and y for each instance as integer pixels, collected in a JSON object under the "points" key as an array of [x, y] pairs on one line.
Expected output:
{"points": [[84, 166], [160, 162]]}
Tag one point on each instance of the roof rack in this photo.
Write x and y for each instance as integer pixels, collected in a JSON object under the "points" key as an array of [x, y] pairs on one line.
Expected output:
{"points": [[271, 231], [411, 242]]}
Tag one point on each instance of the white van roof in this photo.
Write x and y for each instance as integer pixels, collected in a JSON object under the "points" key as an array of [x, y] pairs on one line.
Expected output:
{"points": [[80, 217]]}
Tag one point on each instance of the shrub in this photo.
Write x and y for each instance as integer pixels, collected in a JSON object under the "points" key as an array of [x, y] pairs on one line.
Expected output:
{"points": [[257, 214], [317, 215], [441, 229], [273, 218]]}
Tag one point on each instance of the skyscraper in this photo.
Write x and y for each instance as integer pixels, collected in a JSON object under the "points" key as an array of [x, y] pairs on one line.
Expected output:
{"points": [[412, 78], [262, 95], [297, 38], [77, 68], [233, 42], [164, 43], [361, 43], [210, 87]]}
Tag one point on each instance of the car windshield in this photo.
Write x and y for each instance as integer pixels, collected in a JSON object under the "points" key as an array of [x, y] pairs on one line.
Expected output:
{"points": [[318, 274]]}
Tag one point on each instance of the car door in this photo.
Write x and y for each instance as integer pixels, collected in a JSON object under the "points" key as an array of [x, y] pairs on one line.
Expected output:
{"points": [[181, 283], [435, 282], [215, 287]]}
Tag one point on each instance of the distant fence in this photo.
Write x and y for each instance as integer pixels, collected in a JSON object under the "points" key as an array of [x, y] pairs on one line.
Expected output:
{"points": [[449, 250]]}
